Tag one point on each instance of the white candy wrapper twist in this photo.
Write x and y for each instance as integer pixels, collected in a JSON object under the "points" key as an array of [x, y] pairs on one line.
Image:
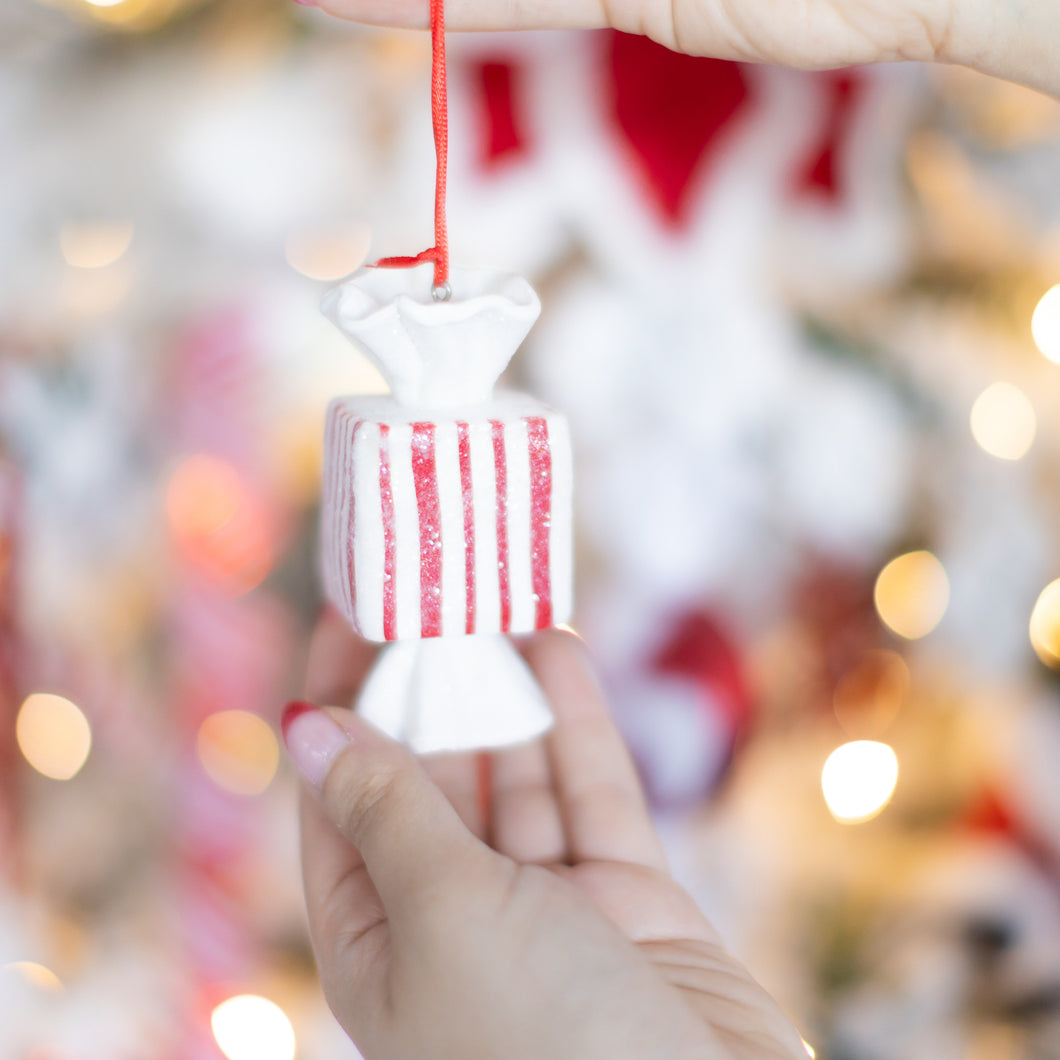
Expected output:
{"points": [[446, 513]]}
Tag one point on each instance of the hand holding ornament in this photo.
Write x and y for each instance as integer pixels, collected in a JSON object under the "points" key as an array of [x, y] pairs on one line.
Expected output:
{"points": [[533, 923], [1007, 38]]}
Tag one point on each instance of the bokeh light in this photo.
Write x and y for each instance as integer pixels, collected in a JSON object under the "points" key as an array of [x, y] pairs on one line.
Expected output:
{"points": [[1045, 625], [858, 780], [133, 14], [238, 751], [203, 496], [221, 526], [1003, 421], [912, 594], [1045, 324], [93, 245], [328, 254], [248, 1027], [53, 735], [869, 695], [37, 975]]}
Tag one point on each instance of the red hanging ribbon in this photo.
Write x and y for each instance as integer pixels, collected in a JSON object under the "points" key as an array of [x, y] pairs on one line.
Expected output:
{"points": [[439, 253]]}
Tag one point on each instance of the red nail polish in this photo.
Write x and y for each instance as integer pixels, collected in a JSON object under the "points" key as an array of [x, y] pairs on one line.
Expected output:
{"points": [[313, 740], [295, 709]]}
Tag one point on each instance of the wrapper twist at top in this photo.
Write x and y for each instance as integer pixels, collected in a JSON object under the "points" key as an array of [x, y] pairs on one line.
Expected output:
{"points": [[446, 516]]}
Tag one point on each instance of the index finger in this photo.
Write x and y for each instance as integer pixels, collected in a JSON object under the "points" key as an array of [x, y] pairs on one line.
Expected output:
{"points": [[600, 796], [338, 661], [473, 14]]}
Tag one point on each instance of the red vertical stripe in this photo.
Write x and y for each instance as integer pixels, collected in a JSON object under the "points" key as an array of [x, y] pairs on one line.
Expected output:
{"points": [[346, 463], [425, 479], [386, 495], [464, 450], [500, 464], [540, 518]]}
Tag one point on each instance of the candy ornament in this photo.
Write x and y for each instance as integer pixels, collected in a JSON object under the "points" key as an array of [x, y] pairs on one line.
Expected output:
{"points": [[446, 519]]}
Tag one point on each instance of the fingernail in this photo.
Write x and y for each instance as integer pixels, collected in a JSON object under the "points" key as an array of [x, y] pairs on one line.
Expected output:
{"points": [[307, 3], [313, 739]]}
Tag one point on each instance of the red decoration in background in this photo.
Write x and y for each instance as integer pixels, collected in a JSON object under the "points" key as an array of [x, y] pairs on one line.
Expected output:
{"points": [[670, 109], [504, 139], [991, 814], [836, 603], [822, 174], [701, 652]]}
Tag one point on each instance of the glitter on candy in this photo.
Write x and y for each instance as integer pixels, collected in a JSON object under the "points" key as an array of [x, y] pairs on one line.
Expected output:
{"points": [[446, 510]]}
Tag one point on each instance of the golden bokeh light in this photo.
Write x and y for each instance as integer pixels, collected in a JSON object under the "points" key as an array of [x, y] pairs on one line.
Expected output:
{"points": [[221, 526], [203, 495], [1045, 324], [912, 594], [1045, 625], [95, 244], [869, 695], [858, 780], [1003, 421], [238, 751], [36, 975], [248, 1027], [132, 14], [328, 254], [53, 735]]}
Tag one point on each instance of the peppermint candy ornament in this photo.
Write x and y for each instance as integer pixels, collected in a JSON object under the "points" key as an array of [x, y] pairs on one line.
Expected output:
{"points": [[446, 518], [446, 512]]}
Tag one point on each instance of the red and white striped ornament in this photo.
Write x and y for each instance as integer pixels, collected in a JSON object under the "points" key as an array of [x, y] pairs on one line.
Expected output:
{"points": [[482, 544], [446, 509]]}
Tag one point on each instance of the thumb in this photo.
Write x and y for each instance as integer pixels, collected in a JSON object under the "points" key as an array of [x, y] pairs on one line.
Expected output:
{"points": [[380, 798]]}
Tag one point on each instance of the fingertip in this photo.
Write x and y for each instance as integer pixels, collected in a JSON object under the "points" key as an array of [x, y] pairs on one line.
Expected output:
{"points": [[560, 646], [338, 660], [397, 14]]}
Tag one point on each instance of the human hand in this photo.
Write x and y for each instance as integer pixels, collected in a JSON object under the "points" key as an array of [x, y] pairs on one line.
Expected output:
{"points": [[1008, 38], [538, 922]]}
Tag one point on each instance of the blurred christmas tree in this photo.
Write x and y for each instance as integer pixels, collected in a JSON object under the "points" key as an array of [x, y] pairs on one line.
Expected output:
{"points": [[790, 317]]}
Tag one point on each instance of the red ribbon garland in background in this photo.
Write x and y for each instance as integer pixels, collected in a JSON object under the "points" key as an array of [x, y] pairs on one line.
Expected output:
{"points": [[439, 253]]}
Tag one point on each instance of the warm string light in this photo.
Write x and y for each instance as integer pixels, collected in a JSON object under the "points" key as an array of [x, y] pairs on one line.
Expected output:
{"points": [[36, 975], [858, 780], [53, 735], [221, 526], [203, 496], [238, 751], [94, 244], [248, 1027], [327, 255], [1045, 324], [912, 593], [98, 280], [1003, 421], [141, 14], [1045, 625]]}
